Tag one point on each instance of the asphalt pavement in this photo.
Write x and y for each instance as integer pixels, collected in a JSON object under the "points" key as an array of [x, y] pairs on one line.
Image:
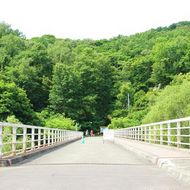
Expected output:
{"points": [[89, 166]]}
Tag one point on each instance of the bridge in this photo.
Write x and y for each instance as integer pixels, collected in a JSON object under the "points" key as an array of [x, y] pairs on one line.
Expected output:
{"points": [[153, 156]]}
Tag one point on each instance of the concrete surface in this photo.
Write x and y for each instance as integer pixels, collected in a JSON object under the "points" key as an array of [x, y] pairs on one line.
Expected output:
{"points": [[88, 166], [173, 160], [13, 160]]}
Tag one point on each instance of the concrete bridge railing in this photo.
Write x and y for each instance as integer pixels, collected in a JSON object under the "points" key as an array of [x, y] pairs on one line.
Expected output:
{"points": [[172, 132], [17, 139]]}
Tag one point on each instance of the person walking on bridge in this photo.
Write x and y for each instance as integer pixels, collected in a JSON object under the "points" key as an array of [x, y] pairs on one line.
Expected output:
{"points": [[91, 133]]}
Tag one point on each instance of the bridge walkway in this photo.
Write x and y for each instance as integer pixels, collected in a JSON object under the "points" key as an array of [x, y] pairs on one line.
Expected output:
{"points": [[88, 166]]}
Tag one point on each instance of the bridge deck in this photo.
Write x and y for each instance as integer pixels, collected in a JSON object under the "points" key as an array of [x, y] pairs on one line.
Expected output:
{"points": [[88, 166]]}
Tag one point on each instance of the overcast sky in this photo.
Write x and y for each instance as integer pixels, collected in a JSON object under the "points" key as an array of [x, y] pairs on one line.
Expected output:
{"points": [[96, 19]]}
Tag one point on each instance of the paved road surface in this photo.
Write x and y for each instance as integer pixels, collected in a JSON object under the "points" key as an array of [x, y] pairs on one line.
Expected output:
{"points": [[89, 166]]}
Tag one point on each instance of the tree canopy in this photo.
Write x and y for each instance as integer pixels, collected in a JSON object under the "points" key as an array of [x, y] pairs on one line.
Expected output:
{"points": [[123, 81]]}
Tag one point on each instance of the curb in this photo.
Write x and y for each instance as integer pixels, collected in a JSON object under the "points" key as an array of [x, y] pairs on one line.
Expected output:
{"points": [[6, 162], [164, 163]]}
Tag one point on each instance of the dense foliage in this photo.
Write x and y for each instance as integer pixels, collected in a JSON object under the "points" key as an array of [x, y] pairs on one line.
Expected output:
{"points": [[123, 81]]}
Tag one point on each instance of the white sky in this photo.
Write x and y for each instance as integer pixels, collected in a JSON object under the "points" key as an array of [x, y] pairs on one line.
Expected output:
{"points": [[94, 19]]}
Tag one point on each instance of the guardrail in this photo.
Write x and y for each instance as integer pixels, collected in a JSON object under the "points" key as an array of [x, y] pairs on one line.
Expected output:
{"points": [[172, 132], [17, 139]]}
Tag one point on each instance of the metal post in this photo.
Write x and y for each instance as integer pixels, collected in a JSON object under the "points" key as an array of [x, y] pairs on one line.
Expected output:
{"points": [[142, 129], [49, 131], [51, 136], [129, 133], [149, 134], [155, 134], [161, 134], [39, 138], [59, 136], [62, 136], [33, 130], [56, 136], [14, 141], [169, 133], [24, 139], [145, 133], [55, 133], [1, 141], [138, 133], [44, 138], [68, 135], [178, 134]]}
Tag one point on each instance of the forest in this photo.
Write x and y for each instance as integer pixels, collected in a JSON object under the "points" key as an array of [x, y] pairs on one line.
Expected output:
{"points": [[84, 84]]}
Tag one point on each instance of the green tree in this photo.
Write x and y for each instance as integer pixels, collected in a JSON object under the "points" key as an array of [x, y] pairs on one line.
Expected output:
{"points": [[171, 58], [13, 101], [31, 70], [59, 121]]}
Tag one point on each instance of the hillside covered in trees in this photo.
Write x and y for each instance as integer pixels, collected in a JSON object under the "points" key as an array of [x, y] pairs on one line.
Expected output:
{"points": [[121, 82]]}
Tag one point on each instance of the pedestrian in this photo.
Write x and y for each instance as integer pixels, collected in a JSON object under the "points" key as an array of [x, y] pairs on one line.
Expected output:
{"points": [[91, 133], [83, 140], [86, 133]]}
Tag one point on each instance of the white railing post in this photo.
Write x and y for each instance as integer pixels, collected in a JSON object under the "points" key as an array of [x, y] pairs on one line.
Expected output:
{"points": [[149, 134], [130, 133], [49, 132], [135, 133], [54, 133], [59, 136], [142, 135], [57, 132], [169, 133], [44, 137], [24, 139], [1, 141], [68, 135], [145, 134], [138, 133], [14, 141], [59, 139], [154, 133], [39, 138], [52, 137], [33, 131], [161, 133], [127, 134], [62, 136], [55, 136], [178, 134]]}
